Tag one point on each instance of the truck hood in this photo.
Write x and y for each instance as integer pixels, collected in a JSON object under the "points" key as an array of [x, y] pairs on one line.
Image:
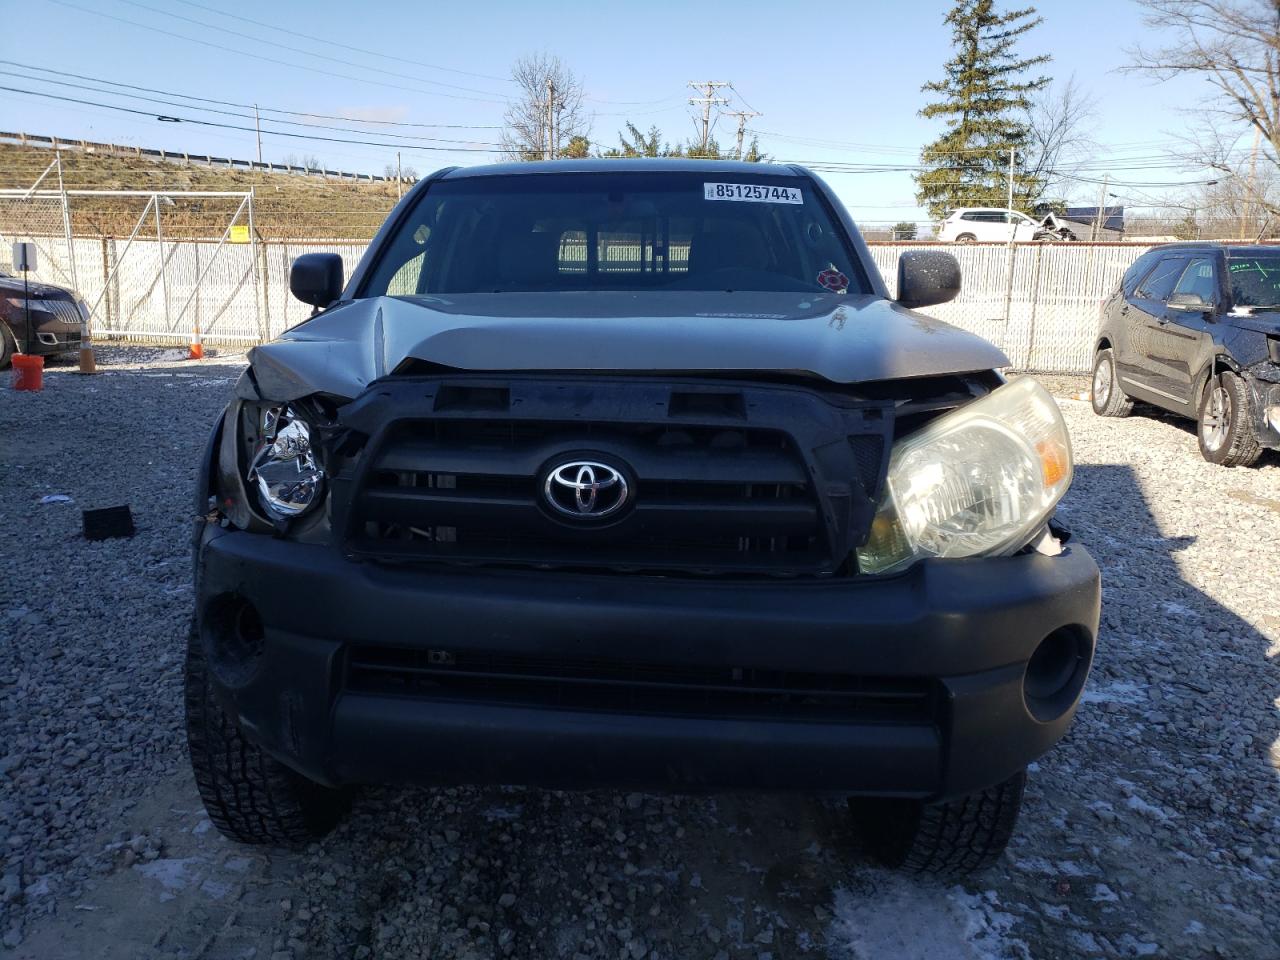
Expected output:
{"points": [[12, 286], [840, 339]]}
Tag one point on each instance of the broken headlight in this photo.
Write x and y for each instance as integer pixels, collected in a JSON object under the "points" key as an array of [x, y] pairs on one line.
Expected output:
{"points": [[284, 469], [979, 481]]}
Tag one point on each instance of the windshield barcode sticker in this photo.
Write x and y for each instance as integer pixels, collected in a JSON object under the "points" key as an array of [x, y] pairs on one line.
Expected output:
{"points": [[753, 193]]}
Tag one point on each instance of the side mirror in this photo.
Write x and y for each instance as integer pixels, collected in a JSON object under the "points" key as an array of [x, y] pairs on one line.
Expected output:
{"points": [[316, 278], [1190, 302], [926, 277]]}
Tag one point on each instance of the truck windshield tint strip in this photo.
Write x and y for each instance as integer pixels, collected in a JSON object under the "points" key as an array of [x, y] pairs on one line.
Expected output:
{"points": [[615, 231]]}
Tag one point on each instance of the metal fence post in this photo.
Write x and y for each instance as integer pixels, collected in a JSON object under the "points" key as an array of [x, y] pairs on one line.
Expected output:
{"points": [[1035, 299], [1008, 293], [164, 275], [253, 259]]}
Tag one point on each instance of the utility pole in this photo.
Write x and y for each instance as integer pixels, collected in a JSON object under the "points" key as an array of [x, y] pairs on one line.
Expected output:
{"points": [[1011, 154], [551, 119], [1099, 218], [708, 99], [743, 116], [399, 178], [258, 127], [1247, 213]]}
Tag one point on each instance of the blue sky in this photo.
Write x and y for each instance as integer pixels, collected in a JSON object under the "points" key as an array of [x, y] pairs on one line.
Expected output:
{"points": [[848, 74]]}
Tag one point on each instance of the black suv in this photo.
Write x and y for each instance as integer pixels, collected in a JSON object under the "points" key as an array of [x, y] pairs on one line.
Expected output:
{"points": [[630, 474], [56, 314], [1195, 328]]}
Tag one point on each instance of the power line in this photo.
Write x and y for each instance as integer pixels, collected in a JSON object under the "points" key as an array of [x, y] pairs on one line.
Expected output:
{"points": [[231, 126], [246, 106], [301, 50], [232, 113], [344, 46], [265, 59]]}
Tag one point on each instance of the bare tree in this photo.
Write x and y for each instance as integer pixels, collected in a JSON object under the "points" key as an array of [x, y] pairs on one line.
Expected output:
{"points": [[1060, 121], [547, 113], [1235, 46]]}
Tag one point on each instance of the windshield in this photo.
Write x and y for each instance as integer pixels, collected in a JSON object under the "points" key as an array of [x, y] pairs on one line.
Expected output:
{"points": [[617, 231], [1255, 281]]}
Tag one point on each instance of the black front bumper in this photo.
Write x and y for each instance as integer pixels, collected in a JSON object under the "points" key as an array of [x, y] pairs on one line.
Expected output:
{"points": [[50, 334], [956, 635]]}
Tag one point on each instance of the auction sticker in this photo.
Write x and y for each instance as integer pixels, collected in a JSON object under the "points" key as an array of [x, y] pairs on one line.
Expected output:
{"points": [[752, 193]]}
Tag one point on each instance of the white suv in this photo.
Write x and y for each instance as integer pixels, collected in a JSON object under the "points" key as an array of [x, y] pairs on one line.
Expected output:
{"points": [[970, 224]]}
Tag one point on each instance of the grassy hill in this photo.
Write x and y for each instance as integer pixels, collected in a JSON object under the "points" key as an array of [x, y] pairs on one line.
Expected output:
{"points": [[285, 205]]}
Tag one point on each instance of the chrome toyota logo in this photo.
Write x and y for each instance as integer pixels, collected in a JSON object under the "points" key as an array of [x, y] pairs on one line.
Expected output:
{"points": [[586, 489]]}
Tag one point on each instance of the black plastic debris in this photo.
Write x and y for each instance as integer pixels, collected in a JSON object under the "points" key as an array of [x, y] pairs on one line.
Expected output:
{"points": [[108, 522]]}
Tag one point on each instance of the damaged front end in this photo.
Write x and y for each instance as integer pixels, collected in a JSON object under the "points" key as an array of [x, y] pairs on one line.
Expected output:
{"points": [[269, 460], [1263, 382]]}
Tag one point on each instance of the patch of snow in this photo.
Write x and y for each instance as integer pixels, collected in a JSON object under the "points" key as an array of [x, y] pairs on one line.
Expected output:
{"points": [[1103, 894], [503, 813], [1118, 691], [1135, 802], [215, 889], [913, 920], [170, 872]]}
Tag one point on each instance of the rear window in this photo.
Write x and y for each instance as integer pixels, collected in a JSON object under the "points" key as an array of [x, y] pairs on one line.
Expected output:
{"points": [[1255, 281], [617, 231]]}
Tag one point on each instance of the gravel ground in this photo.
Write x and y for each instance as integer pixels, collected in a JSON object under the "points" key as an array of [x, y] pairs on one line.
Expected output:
{"points": [[1152, 830]]}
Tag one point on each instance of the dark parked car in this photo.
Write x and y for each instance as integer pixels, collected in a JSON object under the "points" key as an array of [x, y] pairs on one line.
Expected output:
{"points": [[1195, 328], [631, 475], [56, 314]]}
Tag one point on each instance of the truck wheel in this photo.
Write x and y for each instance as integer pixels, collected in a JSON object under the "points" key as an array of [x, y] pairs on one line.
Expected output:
{"points": [[249, 796], [1225, 430], [966, 238], [952, 838], [1105, 394]]}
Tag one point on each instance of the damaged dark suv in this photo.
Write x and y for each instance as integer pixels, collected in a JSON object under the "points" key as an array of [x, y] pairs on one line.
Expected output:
{"points": [[632, 475], [1194, 328]]}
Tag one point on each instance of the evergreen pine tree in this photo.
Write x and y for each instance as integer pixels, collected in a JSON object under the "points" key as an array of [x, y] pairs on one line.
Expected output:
{"points": [[984, 99]]}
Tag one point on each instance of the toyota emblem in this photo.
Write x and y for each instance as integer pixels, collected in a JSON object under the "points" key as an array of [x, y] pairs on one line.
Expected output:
{"points": [[586, 489]]}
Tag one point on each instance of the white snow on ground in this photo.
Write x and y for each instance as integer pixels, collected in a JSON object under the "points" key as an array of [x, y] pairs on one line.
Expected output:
{"points": [[1118, 691], [906, 919]]}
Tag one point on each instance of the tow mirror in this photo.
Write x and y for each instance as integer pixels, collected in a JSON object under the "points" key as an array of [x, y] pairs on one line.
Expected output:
{"points": [[1190, 302], [316, 278], [926, 277]]}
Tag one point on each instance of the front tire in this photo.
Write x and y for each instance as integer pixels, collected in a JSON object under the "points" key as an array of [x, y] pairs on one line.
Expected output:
{"points": [[249, 796], [1105, 394], [950, 839], [966, 238], [1224, 429]]}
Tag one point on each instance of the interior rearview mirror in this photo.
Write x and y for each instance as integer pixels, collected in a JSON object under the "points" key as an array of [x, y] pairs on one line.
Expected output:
{"points": [[1190, 302], [926, 277], [316, 278]]}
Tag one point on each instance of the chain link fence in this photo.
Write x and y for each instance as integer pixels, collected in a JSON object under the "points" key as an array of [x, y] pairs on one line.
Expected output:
{"points": [[1038, 302]]}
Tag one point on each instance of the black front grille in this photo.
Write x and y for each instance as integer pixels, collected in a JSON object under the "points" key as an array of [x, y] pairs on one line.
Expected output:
{"points": [[627, 687], [64, 311], [723, 480]]}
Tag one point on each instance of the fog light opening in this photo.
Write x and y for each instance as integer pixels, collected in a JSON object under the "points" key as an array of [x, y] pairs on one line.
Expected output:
{"points": [[234, 638], [1056, 672]]}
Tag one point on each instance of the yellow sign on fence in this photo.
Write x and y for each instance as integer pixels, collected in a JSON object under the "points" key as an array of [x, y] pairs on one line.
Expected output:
{"points": [[239, 233]]}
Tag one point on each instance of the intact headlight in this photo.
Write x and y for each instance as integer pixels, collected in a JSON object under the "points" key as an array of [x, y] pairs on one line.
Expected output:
{"points": [[979, 481], [288, 478]]}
